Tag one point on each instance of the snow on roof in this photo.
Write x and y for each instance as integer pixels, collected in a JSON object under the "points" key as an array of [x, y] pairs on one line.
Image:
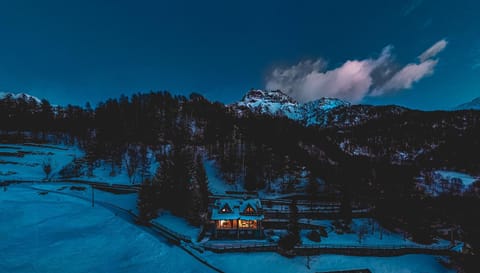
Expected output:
{"points": [[254, 203], [234, 209]]}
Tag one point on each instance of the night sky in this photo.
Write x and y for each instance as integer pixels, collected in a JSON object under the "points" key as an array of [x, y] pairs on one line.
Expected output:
{"points": [[419, 54]]}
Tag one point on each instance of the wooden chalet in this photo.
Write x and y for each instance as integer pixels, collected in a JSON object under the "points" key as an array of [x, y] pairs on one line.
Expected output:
{"points": [[237, 218]]}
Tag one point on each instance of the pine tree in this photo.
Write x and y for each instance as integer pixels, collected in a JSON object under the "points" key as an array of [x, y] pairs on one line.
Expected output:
{"points": [[163, 182], [202, 179], [346, 208], [146, 203], [293, 226], [312, 188], [292, 238], [250, 178]]}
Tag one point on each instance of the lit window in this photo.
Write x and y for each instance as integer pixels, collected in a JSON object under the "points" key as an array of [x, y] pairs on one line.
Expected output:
{"points": [[225, 224], [247, 224], [225, 209], [249, 210]]}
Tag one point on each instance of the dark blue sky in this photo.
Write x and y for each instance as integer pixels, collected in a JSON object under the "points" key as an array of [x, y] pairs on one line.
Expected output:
{"points": [[78, 51]]}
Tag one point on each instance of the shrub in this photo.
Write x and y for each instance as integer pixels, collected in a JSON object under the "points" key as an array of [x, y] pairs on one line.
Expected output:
{"points": [[314, 236], [323, 232], [47, 168], [288, 241]]}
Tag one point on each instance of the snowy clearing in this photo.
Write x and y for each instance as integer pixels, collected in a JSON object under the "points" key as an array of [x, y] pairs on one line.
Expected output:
{"points": [[126, 201], [216, 185], [49, 232], [24, 162], [372, 234], [57, 233], [273, 262]]}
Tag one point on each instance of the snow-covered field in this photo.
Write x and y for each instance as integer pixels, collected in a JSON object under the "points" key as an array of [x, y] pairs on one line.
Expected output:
{"points": [[372, 235], [24, 162], [49, 232], [273, 262], [127, 201], [57, 233], [177, 224], [103, 173]]}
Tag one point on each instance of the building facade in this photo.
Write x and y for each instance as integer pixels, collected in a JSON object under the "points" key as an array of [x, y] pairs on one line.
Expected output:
{"points": [[235, 218]]}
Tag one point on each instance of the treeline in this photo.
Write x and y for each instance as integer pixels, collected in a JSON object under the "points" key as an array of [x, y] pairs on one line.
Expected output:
{"points": [[40, 118]]}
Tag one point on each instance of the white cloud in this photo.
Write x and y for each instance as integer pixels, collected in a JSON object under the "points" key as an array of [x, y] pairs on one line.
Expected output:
{"points": [[354, 79], [404, 78], [433, 50]]}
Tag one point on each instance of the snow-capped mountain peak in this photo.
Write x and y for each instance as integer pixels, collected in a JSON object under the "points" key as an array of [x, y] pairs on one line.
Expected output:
{"points": [[256, 95], [280, 104], [26, 96]]}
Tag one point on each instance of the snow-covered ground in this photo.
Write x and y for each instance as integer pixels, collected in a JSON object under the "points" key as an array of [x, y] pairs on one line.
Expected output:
{"points": [[372, 235], [126, 201], [57, 233], [275, 189], [49, 232], [25, 162], [273, 262], [102, 172], [216, 184], [438, 182], [466, 179], [177, 224]]}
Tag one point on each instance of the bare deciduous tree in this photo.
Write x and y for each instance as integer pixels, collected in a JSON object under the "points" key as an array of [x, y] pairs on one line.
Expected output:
{"points": [[47, 168]]}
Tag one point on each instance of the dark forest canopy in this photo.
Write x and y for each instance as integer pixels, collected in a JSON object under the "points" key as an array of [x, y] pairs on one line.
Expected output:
{"points": [[430, 139]]}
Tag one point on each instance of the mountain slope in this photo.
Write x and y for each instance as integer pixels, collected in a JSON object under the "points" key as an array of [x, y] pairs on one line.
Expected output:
{"points": [[26, 97], [472, 105]]}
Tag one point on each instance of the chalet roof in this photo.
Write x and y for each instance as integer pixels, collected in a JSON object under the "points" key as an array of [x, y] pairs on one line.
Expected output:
{"points": [[237, 206]]}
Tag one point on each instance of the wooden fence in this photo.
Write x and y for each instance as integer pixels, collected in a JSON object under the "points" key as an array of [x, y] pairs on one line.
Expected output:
{"points": [[352, 250], [170, 234]]}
